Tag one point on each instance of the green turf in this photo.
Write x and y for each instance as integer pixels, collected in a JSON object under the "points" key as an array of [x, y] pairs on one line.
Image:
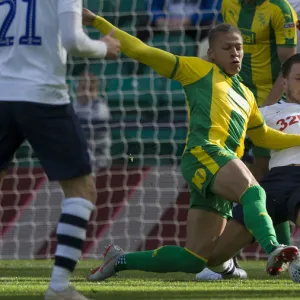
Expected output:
{"points": [[28, 280]]}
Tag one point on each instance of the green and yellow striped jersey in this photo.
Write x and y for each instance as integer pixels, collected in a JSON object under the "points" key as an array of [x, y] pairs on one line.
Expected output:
{"points": [[265, 25], [220, 108]]}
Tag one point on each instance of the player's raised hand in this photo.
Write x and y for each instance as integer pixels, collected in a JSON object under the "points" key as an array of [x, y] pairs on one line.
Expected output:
{"points": [[113, 45], [88, 17]]}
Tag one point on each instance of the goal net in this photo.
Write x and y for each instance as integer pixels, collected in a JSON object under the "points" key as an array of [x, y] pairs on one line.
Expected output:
{"points": [[136, 125]]}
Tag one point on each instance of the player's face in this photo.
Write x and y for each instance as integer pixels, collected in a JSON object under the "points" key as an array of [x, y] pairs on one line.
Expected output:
{"points": [[292, 84], [226, 51]]}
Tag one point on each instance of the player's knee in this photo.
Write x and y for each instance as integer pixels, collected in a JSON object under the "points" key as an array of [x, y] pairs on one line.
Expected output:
{"points": [[254, 193], [82, 187]]}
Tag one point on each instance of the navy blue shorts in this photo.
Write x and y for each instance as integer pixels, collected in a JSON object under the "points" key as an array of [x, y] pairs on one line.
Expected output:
{"points": [[53, 131], [282, 186]]}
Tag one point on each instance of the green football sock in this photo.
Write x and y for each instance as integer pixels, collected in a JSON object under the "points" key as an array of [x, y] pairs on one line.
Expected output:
{"points": [[283, 233], [257, 219], [162, 260]]}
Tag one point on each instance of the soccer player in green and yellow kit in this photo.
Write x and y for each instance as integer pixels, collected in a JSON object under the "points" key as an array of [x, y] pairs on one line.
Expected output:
{"points": [[221, 111], [269, 36]]}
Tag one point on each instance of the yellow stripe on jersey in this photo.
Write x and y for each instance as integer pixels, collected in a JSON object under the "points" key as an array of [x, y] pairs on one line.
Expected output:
{"points": [[265, 26], [205, 159]]}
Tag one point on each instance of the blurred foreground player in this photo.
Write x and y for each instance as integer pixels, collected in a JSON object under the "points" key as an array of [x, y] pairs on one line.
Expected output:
{"points": [[35, 105], [282, 182], [221, 111]]}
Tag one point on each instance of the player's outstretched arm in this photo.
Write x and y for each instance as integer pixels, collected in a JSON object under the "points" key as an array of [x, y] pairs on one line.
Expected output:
{"points": [[267, 137], [161, 61], [76, 42]]}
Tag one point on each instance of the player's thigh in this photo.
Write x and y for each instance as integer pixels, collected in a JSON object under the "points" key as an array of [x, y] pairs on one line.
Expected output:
{"points": [[57, 138], [204, 227], [232, 180], [234, 238], [11, 136], [199, 167], [208, 213]]}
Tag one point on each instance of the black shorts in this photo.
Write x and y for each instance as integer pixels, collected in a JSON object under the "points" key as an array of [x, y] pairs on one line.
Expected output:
{"points": [[53, 131], [282, 186]]}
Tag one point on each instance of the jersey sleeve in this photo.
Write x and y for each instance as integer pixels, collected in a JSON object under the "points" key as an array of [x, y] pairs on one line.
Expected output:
{"points": [[284, 22], [161, 61], [256, 119], [190, 69], [64, 6]]}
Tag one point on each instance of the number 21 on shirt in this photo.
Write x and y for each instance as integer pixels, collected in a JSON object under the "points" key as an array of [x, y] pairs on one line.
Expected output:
{"points": [[29, 38]]}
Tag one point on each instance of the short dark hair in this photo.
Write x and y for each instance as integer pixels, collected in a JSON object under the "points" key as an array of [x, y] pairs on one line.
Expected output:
{"points": [[288, 64], [222, 28]]}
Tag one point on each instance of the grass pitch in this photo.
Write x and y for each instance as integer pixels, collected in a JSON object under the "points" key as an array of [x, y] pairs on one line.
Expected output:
{"points": [[29, 279]]}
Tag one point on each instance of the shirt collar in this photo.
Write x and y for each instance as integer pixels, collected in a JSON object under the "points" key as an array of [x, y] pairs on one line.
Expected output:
{"points": [[236, 77]]}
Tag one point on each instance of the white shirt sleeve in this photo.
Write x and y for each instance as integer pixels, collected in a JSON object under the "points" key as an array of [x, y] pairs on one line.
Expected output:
{"points": [[74, 40], [69, 6]]}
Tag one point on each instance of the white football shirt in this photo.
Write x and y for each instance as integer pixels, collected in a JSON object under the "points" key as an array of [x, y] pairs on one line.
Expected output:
{"points": [[286, 118], [32, 57]]}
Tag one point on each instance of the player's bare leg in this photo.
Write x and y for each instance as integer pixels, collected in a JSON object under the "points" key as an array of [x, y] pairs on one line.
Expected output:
{"points": [[80, 196], [210, 227], [207, 225], [233, 239], [235, 182]]}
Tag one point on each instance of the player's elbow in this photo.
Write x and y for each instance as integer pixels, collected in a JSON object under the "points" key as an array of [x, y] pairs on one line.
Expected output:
{"points": [[70, 43], [259, 137]]}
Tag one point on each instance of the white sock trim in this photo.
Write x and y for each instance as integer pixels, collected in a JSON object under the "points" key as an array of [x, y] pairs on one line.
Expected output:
{"points": [[78, 207], [79, 201], [71, 230]]}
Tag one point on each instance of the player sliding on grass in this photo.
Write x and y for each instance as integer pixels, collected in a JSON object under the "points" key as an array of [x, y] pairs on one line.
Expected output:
{"points": [[282, 183], [221, 111]]}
